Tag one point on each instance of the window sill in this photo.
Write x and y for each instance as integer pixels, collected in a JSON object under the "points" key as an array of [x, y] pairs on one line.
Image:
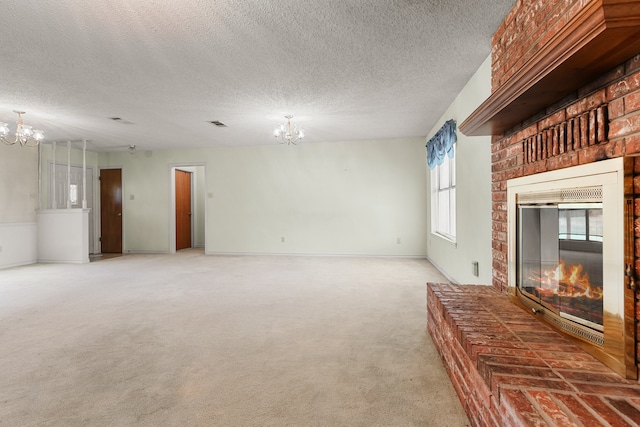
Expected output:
{"points": [[445, 237]]}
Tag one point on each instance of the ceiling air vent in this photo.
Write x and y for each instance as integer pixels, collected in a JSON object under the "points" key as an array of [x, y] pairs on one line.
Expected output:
{"points": [[121, 120], [218, 123]]}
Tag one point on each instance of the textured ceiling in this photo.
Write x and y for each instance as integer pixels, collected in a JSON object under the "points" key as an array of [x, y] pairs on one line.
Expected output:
{"points": [[346, 69]]}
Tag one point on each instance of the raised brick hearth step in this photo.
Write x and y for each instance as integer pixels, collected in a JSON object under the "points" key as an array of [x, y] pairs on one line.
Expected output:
{"points": [[510, 369]]}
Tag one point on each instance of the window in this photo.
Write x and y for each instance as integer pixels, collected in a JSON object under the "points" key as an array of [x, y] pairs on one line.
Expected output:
{"points": [[441, 161], [443, 199], [73, 194]]}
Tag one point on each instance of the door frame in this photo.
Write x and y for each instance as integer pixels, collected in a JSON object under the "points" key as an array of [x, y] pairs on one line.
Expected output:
{"points": [[172, 201], [192, 215]]}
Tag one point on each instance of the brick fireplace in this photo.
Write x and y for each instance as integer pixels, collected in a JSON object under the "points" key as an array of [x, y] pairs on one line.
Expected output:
{"points": [[565, 97], [566, 255]]}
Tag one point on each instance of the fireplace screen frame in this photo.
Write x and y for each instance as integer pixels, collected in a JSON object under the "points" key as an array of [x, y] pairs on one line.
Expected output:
{"points": [[615, 345], [547, 204]]}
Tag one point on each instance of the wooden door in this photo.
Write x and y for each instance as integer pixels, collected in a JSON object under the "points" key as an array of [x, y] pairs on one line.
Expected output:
{"points": [[111, 210], [183, 210]]}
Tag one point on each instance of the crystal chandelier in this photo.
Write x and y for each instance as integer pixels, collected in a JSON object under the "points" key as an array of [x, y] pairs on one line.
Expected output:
{"points": [[286, 133], [25, 134]]}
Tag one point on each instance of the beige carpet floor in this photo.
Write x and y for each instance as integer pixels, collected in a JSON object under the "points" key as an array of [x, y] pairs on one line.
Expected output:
{"points": [[194, 340]]}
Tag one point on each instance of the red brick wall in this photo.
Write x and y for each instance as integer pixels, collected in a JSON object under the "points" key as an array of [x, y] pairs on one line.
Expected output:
{"points": [[601, 121], [636, 214], [529, 25]]}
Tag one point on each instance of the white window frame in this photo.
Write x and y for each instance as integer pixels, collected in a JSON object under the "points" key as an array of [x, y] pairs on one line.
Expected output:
{"points": [[443, 200]]}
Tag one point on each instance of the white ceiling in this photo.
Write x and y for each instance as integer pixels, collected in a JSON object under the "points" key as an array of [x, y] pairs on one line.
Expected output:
{"points": [[346, 69]]}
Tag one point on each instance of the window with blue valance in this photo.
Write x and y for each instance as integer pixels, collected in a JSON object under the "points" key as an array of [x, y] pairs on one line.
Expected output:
{"points": [[441, 144]]}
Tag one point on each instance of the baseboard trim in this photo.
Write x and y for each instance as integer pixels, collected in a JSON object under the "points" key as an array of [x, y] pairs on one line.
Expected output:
{"points": [[63, 261], [444, 273], [314, 255], [143, 252], [18, 264]]}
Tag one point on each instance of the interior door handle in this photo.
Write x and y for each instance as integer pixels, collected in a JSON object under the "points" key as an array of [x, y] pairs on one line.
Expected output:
{"points": [[119, 213]]}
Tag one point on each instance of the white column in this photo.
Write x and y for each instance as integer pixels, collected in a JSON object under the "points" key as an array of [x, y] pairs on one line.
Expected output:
{"points": [[54, 203], [68, 174], [84, 174], [39, 175]]}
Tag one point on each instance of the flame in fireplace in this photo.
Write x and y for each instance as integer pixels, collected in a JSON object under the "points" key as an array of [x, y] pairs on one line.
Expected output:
{"points": [[568, 281]]}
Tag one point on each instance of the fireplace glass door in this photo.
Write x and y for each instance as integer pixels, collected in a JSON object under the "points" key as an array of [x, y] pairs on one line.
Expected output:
{"points": [[560, 262]]}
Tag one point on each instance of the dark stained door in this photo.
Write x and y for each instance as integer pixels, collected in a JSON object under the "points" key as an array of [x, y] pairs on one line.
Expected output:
{"points": [[111, 210], [183, 210]]}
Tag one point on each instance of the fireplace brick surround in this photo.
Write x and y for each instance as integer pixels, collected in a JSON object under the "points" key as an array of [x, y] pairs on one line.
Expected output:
{"points": [[504, 374], [617, 90]]}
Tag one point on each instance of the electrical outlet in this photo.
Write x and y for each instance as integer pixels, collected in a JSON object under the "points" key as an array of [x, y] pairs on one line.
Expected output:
{"points": [[132, 197], [282, 239], [398, 241], [475, 268]]}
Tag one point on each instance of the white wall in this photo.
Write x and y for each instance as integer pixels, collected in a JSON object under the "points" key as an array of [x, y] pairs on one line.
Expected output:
{"points": [[200, 192], [18, 204], [19, 243], [473, 188], [355, 197]]}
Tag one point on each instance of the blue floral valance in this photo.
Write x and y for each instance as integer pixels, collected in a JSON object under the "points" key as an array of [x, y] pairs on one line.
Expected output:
{"points": [[441, 144]]}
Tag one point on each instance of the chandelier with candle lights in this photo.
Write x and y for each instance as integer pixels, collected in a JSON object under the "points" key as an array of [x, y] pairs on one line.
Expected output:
{"points": [[25, 135], [287, 133]]}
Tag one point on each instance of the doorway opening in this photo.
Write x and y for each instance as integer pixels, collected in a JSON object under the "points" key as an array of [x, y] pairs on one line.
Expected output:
{"points": [[187, 207], [184, 206]]}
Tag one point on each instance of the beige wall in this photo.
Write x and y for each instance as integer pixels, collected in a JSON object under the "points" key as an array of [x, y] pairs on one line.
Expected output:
{"points": [[473, 187], [355, 197], [18, 204], [18, 183]]}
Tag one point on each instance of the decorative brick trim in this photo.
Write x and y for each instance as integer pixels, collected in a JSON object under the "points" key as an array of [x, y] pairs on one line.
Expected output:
{"points": [[582, 131]]}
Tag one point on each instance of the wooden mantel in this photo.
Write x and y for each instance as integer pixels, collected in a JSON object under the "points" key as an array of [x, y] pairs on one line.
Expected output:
{"points": [[603, 35]]}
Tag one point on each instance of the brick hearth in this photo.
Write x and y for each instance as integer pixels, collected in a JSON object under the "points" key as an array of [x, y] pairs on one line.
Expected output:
{"points": [[510, 369]]}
